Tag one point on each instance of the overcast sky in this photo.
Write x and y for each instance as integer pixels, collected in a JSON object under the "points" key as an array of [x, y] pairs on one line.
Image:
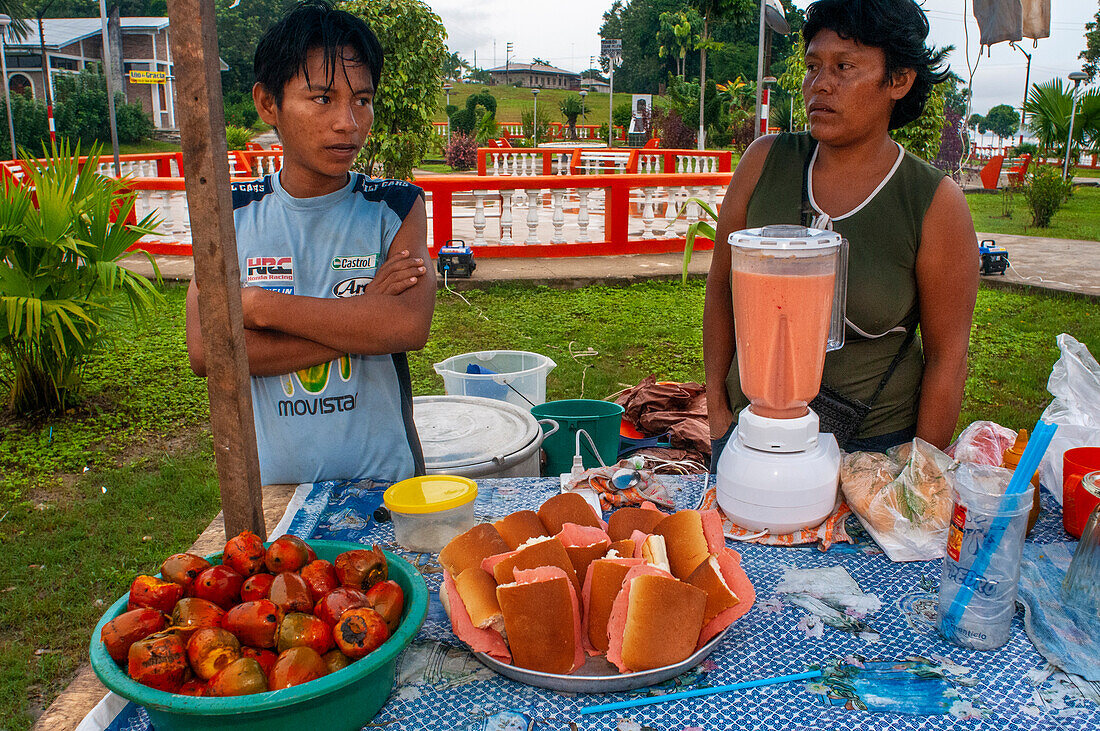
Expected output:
{"points": [[566, 33]]}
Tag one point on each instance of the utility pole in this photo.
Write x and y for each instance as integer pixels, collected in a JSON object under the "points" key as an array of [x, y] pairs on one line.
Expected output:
{"points": [[46, 84]]}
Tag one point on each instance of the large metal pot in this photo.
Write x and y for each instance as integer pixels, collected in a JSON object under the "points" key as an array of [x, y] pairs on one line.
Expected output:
{"points": [[477, 437]]}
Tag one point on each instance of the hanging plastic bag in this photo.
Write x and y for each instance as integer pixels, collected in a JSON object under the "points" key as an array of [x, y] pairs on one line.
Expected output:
{"points": [[1075, 385]]}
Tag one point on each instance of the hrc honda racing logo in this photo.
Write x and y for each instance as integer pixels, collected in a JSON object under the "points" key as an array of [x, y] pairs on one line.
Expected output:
{"points": [[271, 272]]}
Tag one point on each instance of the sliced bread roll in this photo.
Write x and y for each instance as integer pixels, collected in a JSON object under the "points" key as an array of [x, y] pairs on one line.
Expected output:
{"points": [[468, 550], [685, 541], [583, 544], [733, 579], [655, 620], [478, 590], [601, 586], [535, 553], [486, 640], [542, 619], [624, 521], [568, 507], [520, 527]]}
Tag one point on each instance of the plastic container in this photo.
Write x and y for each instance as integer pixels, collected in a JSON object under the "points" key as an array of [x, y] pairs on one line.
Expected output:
{"points": [[978, 492], [477, 437], [515, 376], [429, 511], [346, 699], [599, 419], [1077, 504], [1081, 586], [1009, 460]]}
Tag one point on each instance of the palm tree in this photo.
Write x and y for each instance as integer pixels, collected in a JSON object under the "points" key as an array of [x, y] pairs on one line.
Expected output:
{"points": [[1048, 110]]}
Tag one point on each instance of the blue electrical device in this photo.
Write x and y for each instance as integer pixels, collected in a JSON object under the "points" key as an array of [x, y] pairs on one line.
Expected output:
{"points": [[455, 260], [994, 258]]}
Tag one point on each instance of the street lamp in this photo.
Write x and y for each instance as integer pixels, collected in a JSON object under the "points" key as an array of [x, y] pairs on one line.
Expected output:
{"points": [[5, 21], [584, 109], [1076, 77], [447, 90], [1027, 82], [535, 118]]}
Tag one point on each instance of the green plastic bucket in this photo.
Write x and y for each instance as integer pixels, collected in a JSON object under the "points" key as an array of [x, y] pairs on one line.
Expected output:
{"points": [[599, 419]]}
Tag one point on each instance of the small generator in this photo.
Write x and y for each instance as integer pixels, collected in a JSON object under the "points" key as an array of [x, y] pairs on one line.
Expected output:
{"points": [[455, 260], [994, 258]]}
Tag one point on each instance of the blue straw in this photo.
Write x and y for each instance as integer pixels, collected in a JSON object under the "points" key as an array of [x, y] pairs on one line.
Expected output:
{"points": [[695, 693], [1029, 462]]}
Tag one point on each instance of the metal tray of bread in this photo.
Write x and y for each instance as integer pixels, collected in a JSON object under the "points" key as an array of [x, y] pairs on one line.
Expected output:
{"points": [[598, 675]]}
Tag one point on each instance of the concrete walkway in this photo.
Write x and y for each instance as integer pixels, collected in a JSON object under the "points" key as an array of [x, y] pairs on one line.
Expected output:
{"points": [[1061, 264]]}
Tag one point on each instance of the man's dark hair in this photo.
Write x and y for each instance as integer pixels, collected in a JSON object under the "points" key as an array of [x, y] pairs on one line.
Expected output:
{"points": [[899, 28], [284, 48]]}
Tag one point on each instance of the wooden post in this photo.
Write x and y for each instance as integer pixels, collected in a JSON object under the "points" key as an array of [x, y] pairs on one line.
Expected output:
{"points": [[201, 120]]}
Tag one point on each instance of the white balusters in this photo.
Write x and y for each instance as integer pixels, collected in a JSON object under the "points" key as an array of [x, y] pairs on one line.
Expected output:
{"points": [[532, 216], [178, 221], [558, 216], [582, 215], [647, 214], [479, 217], [506, 217]]}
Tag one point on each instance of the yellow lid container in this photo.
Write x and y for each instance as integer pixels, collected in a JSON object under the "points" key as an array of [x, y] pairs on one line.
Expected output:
{"points": [[429, 494]]}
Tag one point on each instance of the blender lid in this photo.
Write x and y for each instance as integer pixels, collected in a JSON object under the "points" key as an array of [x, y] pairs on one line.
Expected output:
{"points": [[785, 237]]}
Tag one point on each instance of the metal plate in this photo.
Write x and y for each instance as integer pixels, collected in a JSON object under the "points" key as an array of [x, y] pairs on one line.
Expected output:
{"points": [[598, 675]]}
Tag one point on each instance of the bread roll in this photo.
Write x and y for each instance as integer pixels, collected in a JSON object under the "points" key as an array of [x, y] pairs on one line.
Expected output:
{"points": [[542, 620], [478, 591], [468, 550], [520, 527], [685, 541], [624, 521], [601, 586], [568, 507], [708, 577], [537, 552]]}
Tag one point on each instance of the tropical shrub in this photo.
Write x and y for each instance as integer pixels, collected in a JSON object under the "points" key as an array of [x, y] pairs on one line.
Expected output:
{"points": [[1045, 192], [572, 107], [240, 110], [461, 152], [81, 111], [29, 119], [527, 120], [237, 138], [61, 239], [670, 127]]}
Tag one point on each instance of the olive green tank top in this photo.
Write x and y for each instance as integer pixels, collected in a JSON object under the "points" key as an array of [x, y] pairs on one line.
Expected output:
{"points": [[883, 237]]}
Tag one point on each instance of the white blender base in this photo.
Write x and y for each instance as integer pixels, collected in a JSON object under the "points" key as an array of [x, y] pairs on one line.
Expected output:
{"points": [[780, 492]]}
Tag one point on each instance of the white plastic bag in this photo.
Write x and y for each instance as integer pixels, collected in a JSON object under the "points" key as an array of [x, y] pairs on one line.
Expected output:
{"points": [[1075, 385]]}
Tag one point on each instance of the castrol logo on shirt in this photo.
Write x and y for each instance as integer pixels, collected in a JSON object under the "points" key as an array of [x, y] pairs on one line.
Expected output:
{"points": [[341, 263]]}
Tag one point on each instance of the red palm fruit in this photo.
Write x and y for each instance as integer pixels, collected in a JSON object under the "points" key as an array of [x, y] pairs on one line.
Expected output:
{"points": [[255, 623], [149, 591], [244, 553], [296, 666], [387, 599], [336, 660], [266, 658], [129, 627], [240, 677], [320, 576], [286, 553], [183, 568], [290, 591], [256, 586], [304, 630], [158, 661], [359, 632], [219, 584], [361, 568], [193, 687], [211, 649], [192, 613], [333, 605]]}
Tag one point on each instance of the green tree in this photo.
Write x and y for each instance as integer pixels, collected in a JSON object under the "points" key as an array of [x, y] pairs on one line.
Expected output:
{"points": [[572, 107], [1048, 116], [80, 109], [923, 135], [412, 39], [1091, 54], [1002, 120], [790, 80], [240, 25], [453, 66], [711, 10], [678, 34]]}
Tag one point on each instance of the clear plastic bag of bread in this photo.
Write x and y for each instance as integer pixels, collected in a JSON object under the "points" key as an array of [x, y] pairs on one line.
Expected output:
{"points": [[982, 442], [902, 498]]}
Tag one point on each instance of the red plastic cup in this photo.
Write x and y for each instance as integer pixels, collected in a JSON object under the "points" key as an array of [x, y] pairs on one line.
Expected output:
{"points": [[1077, 504]]}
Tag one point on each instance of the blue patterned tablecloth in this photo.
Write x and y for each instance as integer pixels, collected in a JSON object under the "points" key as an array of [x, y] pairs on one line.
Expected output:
{"points": [[886, 668]]}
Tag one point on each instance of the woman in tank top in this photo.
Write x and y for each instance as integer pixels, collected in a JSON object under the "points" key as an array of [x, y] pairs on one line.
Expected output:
{"points": [[913, 258]]}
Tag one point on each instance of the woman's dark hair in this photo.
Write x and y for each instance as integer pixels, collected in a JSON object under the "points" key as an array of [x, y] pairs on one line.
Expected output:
{"points": [[284, 48], [899, 28]]}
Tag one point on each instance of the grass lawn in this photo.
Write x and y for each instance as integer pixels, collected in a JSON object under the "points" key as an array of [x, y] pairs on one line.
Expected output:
{"points": [[73, 539], [143, 147], [1079, 218], [513, 101]]}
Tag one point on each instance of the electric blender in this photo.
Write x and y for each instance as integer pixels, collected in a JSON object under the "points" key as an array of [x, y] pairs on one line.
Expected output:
{"points": [[777, 472]]}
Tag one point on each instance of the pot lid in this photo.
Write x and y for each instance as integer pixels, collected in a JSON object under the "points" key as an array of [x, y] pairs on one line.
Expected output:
{"points": [[465, 430]]}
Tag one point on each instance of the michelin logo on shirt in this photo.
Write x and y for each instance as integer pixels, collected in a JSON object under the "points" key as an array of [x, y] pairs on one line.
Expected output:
{"points": [[275, 273]]}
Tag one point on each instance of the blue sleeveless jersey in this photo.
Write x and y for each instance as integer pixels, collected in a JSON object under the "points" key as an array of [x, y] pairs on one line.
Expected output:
{"points": [[351, 418]]}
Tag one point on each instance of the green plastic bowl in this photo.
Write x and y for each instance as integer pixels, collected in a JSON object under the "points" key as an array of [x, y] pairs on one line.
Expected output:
{"points": [[346, 699]]}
